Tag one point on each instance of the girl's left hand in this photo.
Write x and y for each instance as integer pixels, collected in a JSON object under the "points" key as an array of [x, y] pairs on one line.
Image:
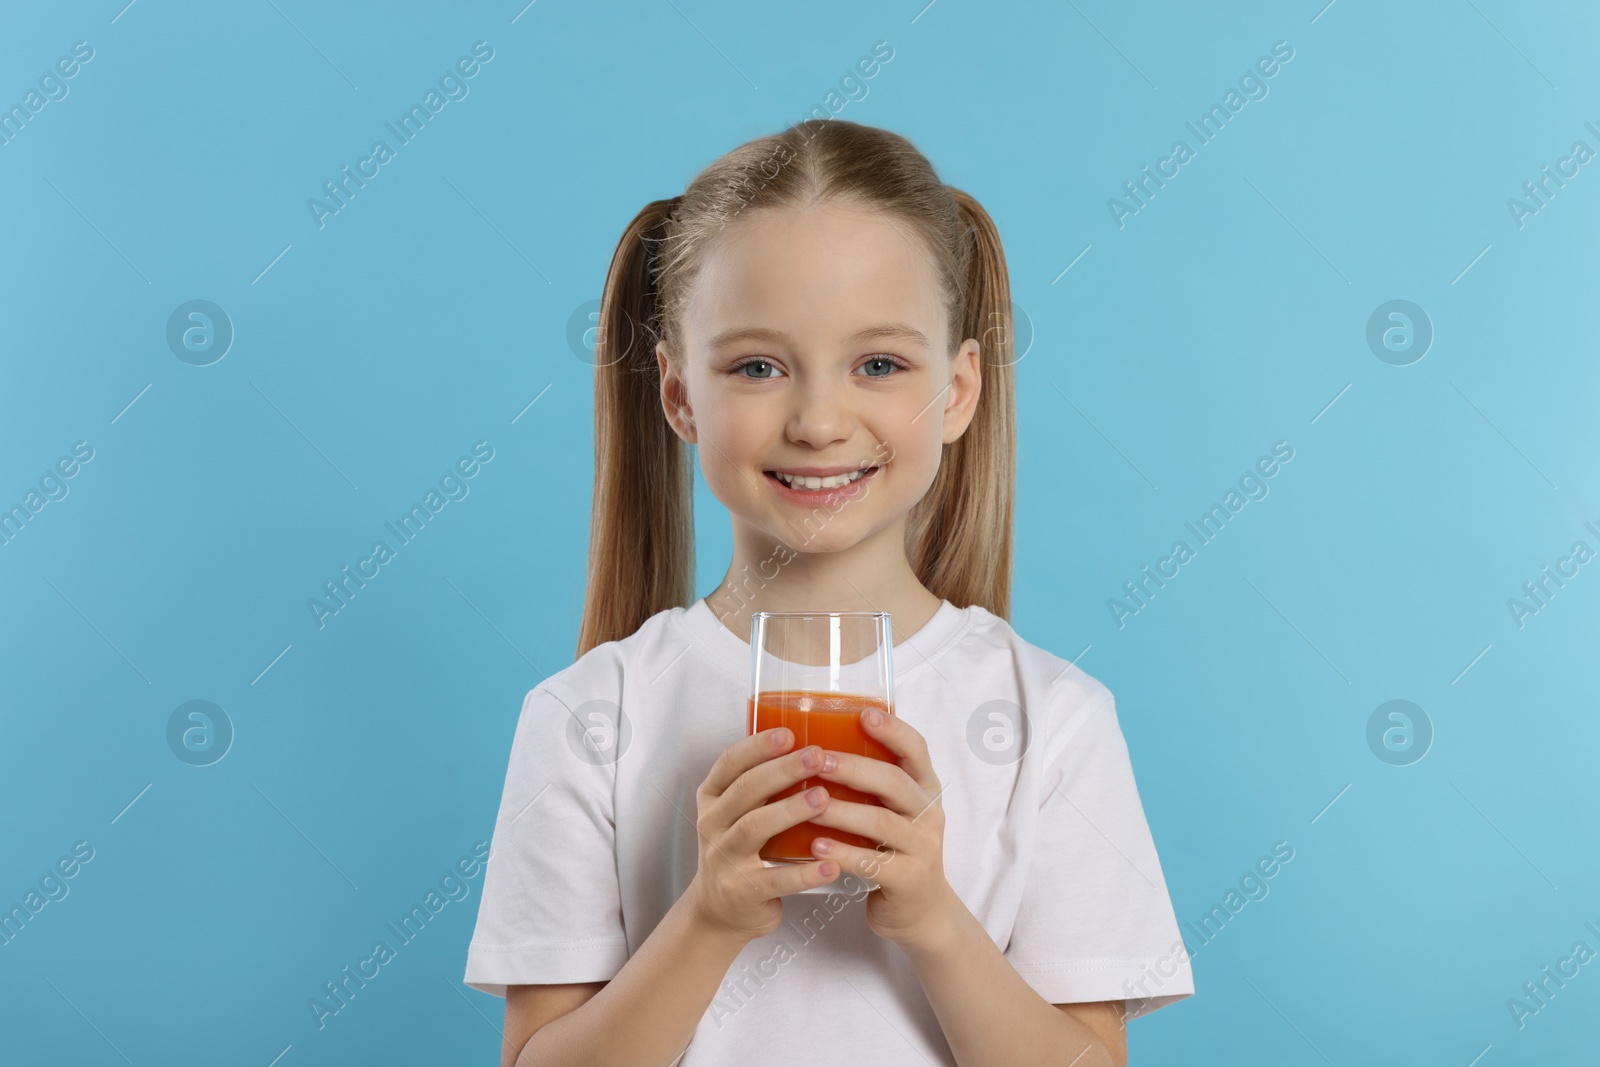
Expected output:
{"points": [[914, 901]]}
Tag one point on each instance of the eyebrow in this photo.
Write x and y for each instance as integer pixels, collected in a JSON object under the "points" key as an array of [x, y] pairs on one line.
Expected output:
{"points": [[871, 333]]}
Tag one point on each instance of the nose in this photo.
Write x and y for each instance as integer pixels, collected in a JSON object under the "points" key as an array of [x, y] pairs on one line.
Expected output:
{"points": [[822, 415]]}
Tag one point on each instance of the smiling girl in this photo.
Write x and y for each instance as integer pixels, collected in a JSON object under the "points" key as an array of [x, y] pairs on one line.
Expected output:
{"points": [[826, 323]]}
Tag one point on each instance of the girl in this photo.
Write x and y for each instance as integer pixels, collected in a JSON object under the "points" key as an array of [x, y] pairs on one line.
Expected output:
{"points": [[816, 307]]}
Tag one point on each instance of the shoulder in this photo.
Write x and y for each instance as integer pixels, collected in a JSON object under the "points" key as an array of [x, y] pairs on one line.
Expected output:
{"points": [[1059, 695], [580, 708], [602, 672]]}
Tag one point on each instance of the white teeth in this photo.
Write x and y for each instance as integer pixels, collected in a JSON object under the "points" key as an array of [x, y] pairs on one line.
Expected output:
{"points": [[804, 481]]}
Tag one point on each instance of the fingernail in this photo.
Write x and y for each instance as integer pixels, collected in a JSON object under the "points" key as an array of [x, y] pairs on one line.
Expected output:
{"points": [[822, 845], [814, 797], [780, 738], [874, 717], [829, 761]]}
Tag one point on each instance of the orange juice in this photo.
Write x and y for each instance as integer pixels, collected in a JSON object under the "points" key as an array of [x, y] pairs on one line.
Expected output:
{"points": [[833, 722]]}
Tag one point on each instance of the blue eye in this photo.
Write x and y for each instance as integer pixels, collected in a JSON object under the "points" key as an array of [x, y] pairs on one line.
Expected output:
{"points": [[890, 365], [738, 368]]}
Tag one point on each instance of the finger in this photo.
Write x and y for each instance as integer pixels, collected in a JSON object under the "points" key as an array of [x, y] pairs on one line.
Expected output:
{"points": [[901, 738], [744, 754], [755, 828], [871, 821], [887, 781], [868, 863], [765, 781], [793, 877], [762, 784]]}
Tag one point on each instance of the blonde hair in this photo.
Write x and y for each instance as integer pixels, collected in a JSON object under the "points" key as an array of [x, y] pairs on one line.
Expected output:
{"points": [[641, 539]]}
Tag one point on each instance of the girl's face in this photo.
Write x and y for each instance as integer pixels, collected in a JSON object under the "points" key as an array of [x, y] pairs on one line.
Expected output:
{"points": [[815, 345]]}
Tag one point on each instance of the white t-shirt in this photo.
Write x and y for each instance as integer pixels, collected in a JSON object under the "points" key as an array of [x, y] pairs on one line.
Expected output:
{"points": [[1045, 838]]}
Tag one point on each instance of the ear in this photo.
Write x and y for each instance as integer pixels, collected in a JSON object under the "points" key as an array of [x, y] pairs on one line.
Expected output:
{"points": [[675, 397], [966, 382]]}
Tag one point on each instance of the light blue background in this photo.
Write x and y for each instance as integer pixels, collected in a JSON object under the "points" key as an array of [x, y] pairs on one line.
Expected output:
{"points": [[1226, 315]]}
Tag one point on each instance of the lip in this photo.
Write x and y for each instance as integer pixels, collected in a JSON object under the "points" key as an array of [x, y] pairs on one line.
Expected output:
{"points": [[821, 496], [822, 472]]}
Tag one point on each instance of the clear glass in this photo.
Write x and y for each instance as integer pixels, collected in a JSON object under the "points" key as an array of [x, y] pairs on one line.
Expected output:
{"points": [[814, 672]]}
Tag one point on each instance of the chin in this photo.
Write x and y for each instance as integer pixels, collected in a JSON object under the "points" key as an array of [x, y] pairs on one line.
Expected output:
{"points": [[822, 544]]}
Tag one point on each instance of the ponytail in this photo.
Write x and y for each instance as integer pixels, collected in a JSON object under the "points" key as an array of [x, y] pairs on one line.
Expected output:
{"points": [[641, 531], [959, 534]]}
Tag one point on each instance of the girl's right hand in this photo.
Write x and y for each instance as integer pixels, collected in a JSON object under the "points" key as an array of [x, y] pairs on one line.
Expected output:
{"points": [[731, 890]]}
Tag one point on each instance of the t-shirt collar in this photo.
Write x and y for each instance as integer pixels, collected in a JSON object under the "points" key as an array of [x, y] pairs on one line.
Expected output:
{"points": [[731, 653]]}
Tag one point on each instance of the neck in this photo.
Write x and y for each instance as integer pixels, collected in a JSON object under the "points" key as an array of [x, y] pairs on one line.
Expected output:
{"points": [[871, 575]]}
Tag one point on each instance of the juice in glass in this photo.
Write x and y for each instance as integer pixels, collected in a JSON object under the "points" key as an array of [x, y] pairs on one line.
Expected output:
{"points": [[831, 721]]}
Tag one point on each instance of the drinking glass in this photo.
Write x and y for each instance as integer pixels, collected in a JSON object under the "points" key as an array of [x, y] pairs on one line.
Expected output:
{"points": [[814, 672]]}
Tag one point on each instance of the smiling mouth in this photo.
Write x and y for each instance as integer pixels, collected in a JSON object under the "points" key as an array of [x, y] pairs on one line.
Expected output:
{"points": [[811, 484]]}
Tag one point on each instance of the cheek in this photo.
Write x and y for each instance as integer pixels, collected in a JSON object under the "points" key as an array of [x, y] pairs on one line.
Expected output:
{"points": [[727, 449], [913, 436], [728, 485], [917, 478]]}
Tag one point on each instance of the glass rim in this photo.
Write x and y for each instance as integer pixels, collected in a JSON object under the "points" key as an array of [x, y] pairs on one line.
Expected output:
{"points": [[818, 614]]}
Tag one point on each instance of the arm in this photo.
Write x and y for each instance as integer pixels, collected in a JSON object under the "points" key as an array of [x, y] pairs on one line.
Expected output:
{"points": [[990, 1016], [646, 1014], [529, 1007]]}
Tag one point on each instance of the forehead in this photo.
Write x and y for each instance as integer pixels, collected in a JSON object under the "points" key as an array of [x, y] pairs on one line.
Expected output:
{"points": [[818, 274]]}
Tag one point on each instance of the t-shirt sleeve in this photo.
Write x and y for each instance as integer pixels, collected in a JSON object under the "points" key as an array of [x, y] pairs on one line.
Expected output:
{"points": [[551, 910], [1095, 921]]}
